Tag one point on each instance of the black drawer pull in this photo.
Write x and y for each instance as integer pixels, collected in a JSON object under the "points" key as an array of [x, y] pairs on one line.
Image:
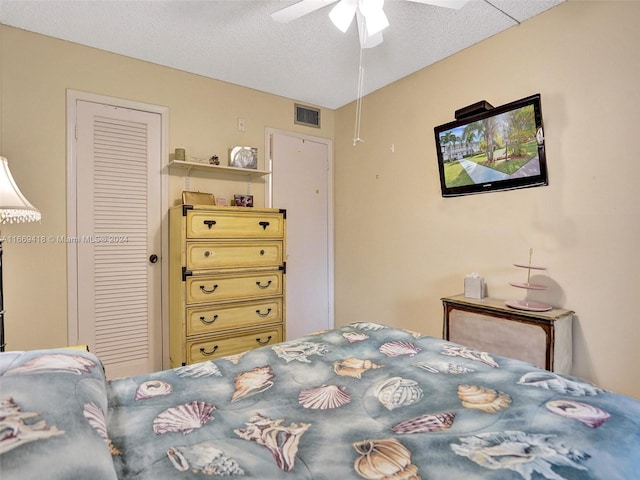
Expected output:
{"points": [[264, 225], [261, 252], [207, 354], [261, 342], [264, 286], [209, 223], [260, 314], [209, 322], [204, 290]]}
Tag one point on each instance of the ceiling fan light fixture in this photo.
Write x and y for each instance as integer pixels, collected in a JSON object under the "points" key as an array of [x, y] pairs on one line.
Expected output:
{"points": [[342, 14]]}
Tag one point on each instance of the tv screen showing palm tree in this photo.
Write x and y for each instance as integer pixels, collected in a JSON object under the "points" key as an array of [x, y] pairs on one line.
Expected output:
{"points": [[498, 148]]}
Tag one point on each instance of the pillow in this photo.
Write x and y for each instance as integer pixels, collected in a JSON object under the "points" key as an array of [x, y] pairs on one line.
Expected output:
{"points": [[53, 403]]}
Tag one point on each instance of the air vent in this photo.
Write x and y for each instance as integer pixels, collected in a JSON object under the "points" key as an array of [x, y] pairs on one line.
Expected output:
{"points": [[307, 116]]}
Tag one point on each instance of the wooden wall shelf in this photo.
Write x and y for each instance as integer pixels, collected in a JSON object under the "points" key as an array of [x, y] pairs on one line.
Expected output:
{"points": [[218, 168]]}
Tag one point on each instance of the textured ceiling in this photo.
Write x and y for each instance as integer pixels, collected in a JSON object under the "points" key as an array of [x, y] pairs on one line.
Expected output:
{"points": [[236, 41]]}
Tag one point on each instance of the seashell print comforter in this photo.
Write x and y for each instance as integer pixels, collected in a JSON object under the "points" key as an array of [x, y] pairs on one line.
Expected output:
{"points": [[364, 401]]}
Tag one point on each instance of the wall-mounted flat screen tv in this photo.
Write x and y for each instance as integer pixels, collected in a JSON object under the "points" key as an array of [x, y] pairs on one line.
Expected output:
{"points": [[497, 148]]}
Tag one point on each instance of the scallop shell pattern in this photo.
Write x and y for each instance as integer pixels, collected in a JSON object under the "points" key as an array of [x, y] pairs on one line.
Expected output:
{"points": [[198, 370], [482, 398], [183, 418], [426, 423], [385, 459], [252, 381], [153, 388], [398, 392], [96, 418], [55, 363], [583, 412], [324, 397], [399, 347], [353, 367], [354, 337]]}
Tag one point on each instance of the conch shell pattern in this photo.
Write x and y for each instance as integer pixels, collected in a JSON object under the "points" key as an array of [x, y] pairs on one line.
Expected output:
{"points": [[280, 440], [353, 367], [482, 398]]}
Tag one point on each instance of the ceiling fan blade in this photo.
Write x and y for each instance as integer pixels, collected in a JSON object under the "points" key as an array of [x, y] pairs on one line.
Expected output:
{"points": [[457, 4], [299, 9], [342, 14]]}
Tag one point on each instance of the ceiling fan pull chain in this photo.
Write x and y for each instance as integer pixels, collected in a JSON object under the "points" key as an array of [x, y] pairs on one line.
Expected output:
{"points": [[356, 133]]}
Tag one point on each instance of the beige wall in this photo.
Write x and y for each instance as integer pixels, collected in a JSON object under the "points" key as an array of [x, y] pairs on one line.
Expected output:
{"points": [[400, 246], [36, 72]]}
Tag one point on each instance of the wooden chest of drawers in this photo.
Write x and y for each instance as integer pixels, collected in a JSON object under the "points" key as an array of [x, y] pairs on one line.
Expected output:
{"points": [[227, 281]]}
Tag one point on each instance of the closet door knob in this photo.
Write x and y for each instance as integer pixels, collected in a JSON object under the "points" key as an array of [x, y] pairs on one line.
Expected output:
{"points": [[153, 258]]}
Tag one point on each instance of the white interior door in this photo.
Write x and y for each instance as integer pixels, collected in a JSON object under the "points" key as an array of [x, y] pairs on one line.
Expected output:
{"points": [[301, 184], [119, 236]]}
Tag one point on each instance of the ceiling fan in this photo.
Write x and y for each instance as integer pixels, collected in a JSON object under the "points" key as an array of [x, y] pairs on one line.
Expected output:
{"points": [[369, 15]]}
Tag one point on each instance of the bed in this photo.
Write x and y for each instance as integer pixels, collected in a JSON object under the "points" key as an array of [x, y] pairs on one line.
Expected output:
{"points": [[361, 401]]}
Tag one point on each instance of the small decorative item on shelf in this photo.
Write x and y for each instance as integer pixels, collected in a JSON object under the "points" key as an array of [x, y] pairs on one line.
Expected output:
{"points": [[474, 286], [198, 198], [243, 200], [243, 157], [214, 160], [180, 154], [526, 304]]}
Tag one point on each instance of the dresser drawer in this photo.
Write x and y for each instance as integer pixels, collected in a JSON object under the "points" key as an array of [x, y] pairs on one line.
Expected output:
{"points": [[220, 224], [210, 319], [215, 288], [209, 348], [239, 254]]}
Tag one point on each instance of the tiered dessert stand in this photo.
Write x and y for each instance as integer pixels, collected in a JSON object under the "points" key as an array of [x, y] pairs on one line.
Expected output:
{"points": [[526, 304]]}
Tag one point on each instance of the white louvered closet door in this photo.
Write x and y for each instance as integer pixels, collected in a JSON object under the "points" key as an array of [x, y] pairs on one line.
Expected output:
{"points": [[118, 232]]}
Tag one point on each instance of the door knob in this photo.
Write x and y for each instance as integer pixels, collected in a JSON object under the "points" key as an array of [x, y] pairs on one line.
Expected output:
{"points": [[153, 258]]}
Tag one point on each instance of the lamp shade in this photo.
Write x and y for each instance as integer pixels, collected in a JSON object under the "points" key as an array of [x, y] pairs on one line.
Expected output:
{"points": [[14, 207]]}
